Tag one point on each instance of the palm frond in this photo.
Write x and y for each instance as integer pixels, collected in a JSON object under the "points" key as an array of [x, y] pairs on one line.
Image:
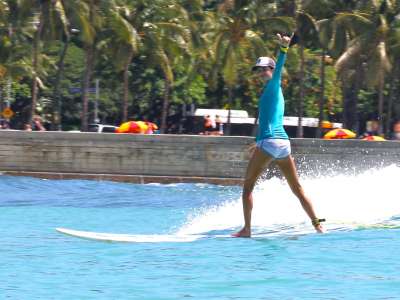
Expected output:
{"points": [[256, 43], [356, 23], [3, 8], [318, 8], [165, 65], [124, 32], [175, 29], [277, 24], [229, 71], [59, 7], [306, 28], [339, 40], [81, 20], [220, 46], [383, 56], [325, 31]]}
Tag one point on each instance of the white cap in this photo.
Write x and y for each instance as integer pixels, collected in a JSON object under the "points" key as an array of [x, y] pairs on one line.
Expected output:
{"points": [[264, 62]]}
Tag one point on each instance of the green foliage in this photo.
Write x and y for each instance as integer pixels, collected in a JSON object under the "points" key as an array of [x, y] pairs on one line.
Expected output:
{"points": [[203, 48]]}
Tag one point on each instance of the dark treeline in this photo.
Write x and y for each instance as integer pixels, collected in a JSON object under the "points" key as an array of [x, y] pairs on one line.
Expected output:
{"points": [[149, 58]]}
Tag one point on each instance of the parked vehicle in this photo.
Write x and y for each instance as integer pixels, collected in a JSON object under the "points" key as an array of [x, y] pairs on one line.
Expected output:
{"points": [[101, 128]]}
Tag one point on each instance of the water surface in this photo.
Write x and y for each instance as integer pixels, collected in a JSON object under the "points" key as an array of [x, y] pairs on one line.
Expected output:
{"points": [[357, 259]]}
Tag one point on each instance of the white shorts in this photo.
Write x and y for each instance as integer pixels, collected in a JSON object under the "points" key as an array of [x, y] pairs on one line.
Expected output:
{"points": [[277, 148]]}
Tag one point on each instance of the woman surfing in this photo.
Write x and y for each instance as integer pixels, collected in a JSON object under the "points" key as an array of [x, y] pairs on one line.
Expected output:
{"points": [[272, 142]]}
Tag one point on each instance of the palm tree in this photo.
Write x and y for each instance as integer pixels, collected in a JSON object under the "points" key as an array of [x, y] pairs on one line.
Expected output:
{"points": [[91, 15], [237, 40], [166, 40], [306, 37], [332, 33], [372, 30], [394, 48], [83, 18], [167, 51], [63, 35], [307, 32], [42, 9], [46, 16], [16, 31], [4, 48], [125, 41], [155, 29], [200, 23]]}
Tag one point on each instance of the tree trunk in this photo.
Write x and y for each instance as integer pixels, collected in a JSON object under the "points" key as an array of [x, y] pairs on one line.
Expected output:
{"points": [[35, 63], [350, 103], [346, 95], [228, 124], [300, 133], [322, 96], [56, 92], [358, 79], [126, 88], [89, 54], [393, 85], [380, 104], [164, 114], [1, 97]]}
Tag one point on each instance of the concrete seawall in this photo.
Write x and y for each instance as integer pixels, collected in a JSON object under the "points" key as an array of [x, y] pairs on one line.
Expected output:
{"points": [[172, 158]]}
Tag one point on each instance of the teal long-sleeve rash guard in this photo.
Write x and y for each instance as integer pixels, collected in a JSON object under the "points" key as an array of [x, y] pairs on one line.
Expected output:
{"points": [[272, 106]]}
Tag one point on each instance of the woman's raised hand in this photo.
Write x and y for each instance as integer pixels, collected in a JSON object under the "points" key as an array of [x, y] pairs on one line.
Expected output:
{"points": [[284, 40]]}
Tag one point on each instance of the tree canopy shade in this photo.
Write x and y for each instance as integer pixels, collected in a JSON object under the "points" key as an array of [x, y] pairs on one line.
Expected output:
{"points": [[153, 57]]}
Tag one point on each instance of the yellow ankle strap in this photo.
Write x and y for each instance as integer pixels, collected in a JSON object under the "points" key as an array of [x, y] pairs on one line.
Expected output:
{"points": [[317, 221]]}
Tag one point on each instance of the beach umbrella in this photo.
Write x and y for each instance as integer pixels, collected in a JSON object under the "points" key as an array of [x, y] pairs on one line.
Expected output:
{"points": [[143, 127], [340, 133], [374, 138], [128, 127]]}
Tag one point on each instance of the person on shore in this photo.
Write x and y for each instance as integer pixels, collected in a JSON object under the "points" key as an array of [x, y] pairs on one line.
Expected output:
{"points": [[396, 131], [371, 129], [37, 124], [27, 127], [219, 125], [207, 125], [4, 124], [272, 142]]}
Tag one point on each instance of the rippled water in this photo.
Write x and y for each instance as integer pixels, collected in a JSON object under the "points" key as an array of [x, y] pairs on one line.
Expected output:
{"points": [[357, 259]]}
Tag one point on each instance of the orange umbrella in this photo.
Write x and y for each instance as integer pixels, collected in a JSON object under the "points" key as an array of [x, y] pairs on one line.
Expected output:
{"points": [[128, 127], [340, 133], [137, 127], [374, 138]]}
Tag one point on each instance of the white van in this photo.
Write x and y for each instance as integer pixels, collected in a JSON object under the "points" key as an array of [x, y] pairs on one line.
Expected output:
{"points": [[101, 128]]}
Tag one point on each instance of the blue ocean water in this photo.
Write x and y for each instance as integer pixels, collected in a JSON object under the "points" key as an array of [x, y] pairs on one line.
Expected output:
{"points": [[285, 259]]}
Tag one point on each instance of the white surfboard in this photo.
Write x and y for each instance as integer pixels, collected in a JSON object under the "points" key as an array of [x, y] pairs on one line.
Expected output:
{"points": [[129, 238]]}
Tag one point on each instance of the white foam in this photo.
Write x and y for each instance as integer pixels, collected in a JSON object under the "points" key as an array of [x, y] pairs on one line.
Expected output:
{"points": [[345, 201]]}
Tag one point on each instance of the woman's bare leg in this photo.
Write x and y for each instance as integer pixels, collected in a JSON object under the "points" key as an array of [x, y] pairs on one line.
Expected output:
{"points": [[257, 163], [288, 169]]}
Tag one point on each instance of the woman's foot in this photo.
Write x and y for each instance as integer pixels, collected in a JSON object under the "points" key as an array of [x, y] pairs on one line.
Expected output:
{"points": [[245, 233], [317, 225], [320, 229]]}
